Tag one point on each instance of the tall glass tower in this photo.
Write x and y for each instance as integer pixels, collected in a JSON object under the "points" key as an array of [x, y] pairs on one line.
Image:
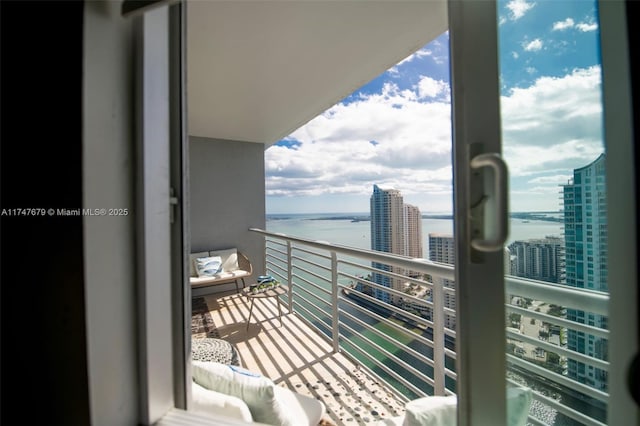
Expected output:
{"points": [[585, 221], [387, 235]]}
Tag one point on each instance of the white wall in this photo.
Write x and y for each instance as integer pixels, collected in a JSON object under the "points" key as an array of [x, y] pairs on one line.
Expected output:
{"points": [[108, 180], [227, 198]]}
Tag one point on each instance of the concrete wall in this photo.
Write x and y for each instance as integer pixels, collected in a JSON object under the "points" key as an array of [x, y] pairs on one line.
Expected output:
{"points": [[108, 182], [227, 198]]}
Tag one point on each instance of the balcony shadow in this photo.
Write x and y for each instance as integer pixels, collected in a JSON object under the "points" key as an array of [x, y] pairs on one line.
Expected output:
{"points": [[297, 357], [236, 333]]}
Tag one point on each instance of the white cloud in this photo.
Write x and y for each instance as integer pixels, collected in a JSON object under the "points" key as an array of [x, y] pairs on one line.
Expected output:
{"points": [[532, 46], [563, 25], [422, 53], [587, 26], [417, 55], [569, 23], [402, 138], [430, 88], [555, 179], [554, 125], [336, 155], [519, 8], [515, 55]]}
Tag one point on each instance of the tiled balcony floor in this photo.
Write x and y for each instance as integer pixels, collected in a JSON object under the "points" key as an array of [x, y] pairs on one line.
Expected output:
{"points": [[293, 355]]}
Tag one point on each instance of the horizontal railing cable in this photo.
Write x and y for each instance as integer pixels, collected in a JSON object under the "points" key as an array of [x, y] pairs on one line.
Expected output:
{"points": [[312, 284], [576, 298], [418, 265], [300, 290], [417, 373], [386, 369], [558, 378], [386, 337], [389, 323], [594, 362], [562, 408], [589, 329]]}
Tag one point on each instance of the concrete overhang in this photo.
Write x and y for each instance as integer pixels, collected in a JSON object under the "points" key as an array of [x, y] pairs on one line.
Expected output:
{"points": [[258, 70]]}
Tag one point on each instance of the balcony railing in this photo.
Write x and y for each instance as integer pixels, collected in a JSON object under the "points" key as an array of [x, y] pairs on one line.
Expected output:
{"points": [[408, 344]]}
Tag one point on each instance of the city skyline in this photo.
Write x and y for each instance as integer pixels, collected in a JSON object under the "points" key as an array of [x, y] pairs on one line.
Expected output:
{"points": [[396, 129], [388, 234]]}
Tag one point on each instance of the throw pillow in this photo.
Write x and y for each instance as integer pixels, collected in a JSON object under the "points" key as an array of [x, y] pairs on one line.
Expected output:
{"points": [[208, 266], [206, 401], [265, 401], [229, 259], [431, 411]]}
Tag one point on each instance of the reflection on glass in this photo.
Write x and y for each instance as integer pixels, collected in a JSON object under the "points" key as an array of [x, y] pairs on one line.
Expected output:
{"points": [[552, 140]]}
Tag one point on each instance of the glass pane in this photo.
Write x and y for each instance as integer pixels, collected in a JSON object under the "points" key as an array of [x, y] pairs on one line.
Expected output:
{"points": [[374, 173], [556, 258]]}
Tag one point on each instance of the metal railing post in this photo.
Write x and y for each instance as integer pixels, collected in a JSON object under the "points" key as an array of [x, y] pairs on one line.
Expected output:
{"points": [[290, 277], [438, 336], [334, 302]]}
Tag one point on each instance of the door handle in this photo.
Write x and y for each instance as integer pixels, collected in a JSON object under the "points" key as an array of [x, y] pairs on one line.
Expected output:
{"points": [[496, 216]]}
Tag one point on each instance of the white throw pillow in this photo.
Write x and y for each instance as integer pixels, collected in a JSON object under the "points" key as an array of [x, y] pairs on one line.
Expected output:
{"points": [[208, 266], [229, 259], [267, 403], [441, 410], [192, 262], [206, 401], [431, 411]]}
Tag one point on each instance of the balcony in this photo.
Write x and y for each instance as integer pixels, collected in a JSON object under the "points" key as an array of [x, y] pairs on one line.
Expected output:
{"points": [[345, 349], [296, 356]]}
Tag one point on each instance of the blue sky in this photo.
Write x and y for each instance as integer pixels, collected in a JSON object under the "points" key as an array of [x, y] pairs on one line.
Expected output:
{"points": [[396, 130]]}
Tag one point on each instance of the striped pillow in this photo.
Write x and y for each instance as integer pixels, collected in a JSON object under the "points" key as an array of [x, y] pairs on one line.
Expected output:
{"points": [[208, 266]]}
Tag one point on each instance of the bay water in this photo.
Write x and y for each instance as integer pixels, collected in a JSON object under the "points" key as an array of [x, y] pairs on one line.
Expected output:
{"points": [[349, 229]]}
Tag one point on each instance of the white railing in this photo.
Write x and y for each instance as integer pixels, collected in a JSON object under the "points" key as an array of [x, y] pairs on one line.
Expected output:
{"points": [[413, 352]]}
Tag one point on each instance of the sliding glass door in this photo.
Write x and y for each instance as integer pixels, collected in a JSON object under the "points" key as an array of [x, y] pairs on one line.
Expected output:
{"points": [[533, 144]]}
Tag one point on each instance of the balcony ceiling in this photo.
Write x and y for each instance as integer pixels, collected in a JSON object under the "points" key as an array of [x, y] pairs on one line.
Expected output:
{"points": [[258, 70]]}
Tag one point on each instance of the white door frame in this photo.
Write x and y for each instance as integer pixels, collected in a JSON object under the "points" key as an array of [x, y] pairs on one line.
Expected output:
{"points": [[480, 341]]}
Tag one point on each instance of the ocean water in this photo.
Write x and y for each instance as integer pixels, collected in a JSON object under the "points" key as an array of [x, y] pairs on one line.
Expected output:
{"points": [[326, 227]]}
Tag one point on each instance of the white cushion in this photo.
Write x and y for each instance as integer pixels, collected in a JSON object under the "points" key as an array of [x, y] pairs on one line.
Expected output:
{"points": [[206, 401], [208, 266], [295, 409], [267, 402], [441, 410], [192, 261], [229, 259], [431, 411], [223, 276]]}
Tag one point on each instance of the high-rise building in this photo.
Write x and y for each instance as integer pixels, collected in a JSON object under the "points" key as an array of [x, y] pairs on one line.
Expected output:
{"points": [[442, 249], [412, 234], [585, 221], [387, 235], [538, 259]]}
